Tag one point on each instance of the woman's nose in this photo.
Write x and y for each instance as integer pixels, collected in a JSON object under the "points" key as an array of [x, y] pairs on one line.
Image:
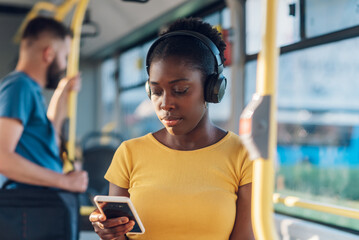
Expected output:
{"points": [[167, 102]]}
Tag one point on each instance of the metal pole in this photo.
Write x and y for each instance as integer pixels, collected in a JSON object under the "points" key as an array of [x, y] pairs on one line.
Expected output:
{"points": [[237, 34]]}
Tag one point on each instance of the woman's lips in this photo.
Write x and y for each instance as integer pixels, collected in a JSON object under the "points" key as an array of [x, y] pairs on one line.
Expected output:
{"points": [[171, 122]]}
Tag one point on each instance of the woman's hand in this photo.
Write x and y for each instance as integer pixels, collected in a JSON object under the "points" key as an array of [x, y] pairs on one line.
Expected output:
{"points": [[110, 229]]}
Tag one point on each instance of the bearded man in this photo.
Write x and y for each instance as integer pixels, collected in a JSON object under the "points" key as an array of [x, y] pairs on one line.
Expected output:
{"points": [[29, 135]]}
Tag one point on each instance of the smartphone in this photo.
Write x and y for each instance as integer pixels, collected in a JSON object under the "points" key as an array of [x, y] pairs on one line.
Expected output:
{"points": [[115, 206]]}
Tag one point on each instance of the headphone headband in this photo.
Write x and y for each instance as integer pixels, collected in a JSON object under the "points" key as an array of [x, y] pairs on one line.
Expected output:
{"points": [[205, 40]]}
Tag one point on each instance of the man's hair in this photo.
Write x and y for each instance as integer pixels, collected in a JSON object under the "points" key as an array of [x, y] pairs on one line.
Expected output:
{"points": [[40, 25], [190, 49]]}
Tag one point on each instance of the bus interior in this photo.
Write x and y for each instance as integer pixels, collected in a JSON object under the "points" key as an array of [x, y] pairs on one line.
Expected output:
{"points": [[316, 156]]}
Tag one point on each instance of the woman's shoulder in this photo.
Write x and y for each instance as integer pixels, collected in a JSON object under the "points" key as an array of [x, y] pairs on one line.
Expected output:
{"points": [[138, 140], [231, 136], [234, 140]]}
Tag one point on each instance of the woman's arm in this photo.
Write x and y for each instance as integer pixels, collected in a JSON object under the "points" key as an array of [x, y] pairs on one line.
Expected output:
{"points": [[117, 191], [242, 229]]}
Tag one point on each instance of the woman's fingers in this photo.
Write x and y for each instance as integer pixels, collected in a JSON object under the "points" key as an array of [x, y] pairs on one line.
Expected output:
{"points": [[113, 222], [109, 229], [113, 232], [96, 216]]}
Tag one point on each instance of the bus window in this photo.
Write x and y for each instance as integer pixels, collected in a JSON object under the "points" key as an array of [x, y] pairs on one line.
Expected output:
{"points": [[325, 16], [288, 24], [220, 113], [136, 111], [314, 135], [318, 127], [108, 92]]}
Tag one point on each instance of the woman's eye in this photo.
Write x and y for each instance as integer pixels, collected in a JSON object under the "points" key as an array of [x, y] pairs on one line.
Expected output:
{"points": [[156, 92], [180, 91]]}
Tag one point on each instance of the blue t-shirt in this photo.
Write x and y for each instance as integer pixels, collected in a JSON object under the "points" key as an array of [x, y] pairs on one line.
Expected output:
{"points": [[21, 98]]}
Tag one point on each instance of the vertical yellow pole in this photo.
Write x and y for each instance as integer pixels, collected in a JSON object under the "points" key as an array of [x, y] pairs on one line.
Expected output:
{"points": [[72, 70], [263, 169]]}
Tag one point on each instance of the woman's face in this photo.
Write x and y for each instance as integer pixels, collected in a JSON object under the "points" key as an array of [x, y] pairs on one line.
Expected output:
{"points": [[177, 94]]}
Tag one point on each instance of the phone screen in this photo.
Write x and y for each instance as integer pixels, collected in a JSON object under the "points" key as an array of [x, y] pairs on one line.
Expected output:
{"points": [[117, 209]]}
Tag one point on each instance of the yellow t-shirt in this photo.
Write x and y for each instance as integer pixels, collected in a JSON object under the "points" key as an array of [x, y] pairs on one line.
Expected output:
{"points": [[182, 194]]}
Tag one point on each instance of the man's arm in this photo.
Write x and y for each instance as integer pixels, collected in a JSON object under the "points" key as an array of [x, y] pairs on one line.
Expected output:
{"points": [[57, 110], [19, 169]]}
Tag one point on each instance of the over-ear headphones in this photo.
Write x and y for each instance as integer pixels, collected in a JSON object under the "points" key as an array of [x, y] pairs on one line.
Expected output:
{"points": [[215, 83]]}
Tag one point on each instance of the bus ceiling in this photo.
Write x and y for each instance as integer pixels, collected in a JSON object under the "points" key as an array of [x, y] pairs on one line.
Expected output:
{"points": [[123, 23]]}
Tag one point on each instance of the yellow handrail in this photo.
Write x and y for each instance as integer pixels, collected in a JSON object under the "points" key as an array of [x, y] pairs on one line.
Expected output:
{"points": [[59, 11], [291, 201], [86, 210], [109, 127], [63, 9], [263, 169], [33, 13], [72, 70]]}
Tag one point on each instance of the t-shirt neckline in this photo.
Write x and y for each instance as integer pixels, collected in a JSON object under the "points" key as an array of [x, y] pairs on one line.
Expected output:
{"points": [[161, 145]]}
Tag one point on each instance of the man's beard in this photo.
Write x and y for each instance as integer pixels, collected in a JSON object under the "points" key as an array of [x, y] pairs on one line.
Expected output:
{"points": [[54, 75]]}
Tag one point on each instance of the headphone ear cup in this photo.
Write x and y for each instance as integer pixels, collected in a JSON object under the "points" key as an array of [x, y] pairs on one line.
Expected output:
{"points": [[148, 89], [220, 88], [208, 89], [215, 88]]}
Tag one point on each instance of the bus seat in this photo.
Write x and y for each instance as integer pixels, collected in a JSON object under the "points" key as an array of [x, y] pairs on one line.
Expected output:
{"points": [[98, 149]]}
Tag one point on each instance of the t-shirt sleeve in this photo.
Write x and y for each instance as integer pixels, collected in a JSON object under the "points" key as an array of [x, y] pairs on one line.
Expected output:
{"points": [[120, 168], [16, 101], [246, 167]]}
